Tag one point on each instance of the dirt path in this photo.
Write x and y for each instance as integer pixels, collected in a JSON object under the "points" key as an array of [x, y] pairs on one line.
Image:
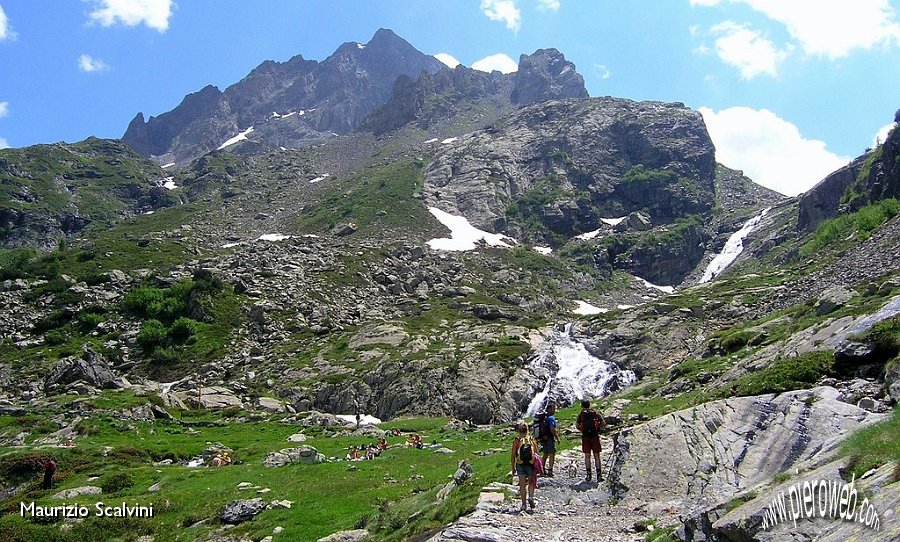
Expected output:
{"points": [[567, 509]]}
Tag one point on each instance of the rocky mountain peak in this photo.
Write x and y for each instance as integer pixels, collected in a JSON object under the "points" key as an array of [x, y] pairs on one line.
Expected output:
{"points": [[334, 95], [546, 75]]}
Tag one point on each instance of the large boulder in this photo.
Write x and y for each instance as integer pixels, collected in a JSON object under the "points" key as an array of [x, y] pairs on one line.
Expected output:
{"points": [[211, 397], [241, 510], [76, 492], [287, 456], [699, 457], [749, 521], [356, 535], [90, 367]]}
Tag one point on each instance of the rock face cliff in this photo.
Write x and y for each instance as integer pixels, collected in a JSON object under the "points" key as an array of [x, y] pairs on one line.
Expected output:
{"points": [[703, 456], [546, 75], [303, 97], [543, 75], [869, 178], [564, 164], [50, 192]]}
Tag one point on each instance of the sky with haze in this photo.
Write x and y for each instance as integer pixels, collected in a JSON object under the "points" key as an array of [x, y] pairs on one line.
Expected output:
{"points": [[790, 89]]}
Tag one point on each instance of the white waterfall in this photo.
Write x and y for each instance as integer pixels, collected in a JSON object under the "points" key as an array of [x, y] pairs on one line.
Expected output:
{"points": [[732, 249], [575, 374]]}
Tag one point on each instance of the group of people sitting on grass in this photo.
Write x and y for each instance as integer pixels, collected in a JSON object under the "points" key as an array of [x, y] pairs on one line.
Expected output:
{"points": [[371, 451], [415, 441], [366, 451], [221, 460]]}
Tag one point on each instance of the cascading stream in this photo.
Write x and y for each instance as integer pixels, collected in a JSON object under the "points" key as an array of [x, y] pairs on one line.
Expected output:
{"points": [[574, 374], [732, 249]]}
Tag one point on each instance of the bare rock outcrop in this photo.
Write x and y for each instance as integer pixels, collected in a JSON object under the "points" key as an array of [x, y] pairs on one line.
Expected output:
{"points": [[702, 456]]}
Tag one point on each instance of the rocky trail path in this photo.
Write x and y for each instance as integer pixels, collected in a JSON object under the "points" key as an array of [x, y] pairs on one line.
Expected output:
{"points": [[567, 509]]}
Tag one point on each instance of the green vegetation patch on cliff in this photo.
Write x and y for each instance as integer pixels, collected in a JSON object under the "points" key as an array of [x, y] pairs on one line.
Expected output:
{"points": [[784, 374], [381, 197], [840, 230], [97, 177], [641, 174], [873, 446]]}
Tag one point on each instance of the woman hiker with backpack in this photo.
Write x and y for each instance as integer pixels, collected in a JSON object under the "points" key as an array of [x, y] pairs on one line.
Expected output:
{"points": [[590, 424], [525, 464]]}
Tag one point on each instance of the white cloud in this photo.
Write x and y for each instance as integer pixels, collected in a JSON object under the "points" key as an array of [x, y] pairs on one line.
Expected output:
{"points": [[6, 31], [602, 71], [831, 28], [769, 149], [89, 64], [4, 144], [4, 109], [499, 62], [879, 138], [154, 14], [448, 60], [503, 10], [747, 50], [548, 5]]}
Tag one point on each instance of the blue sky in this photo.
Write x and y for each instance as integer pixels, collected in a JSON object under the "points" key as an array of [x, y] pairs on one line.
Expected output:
{"points": [[790, 89]]}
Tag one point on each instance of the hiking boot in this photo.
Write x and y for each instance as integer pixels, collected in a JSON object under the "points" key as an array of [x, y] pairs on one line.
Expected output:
{"points": [[550, 473], [531, 503], [588, 477], [523, 508]]}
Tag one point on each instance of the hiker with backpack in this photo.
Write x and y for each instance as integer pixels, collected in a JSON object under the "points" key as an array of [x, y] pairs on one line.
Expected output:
{"points": [[549, 438], [524, 458], [590, 424]]}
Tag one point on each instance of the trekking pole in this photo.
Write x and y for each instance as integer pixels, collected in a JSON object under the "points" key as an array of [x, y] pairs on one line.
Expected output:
{"points": [[612, 454]]}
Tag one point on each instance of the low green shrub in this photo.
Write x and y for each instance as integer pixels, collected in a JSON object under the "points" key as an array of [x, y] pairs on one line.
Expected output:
{"points": [[87, 322], [153, 334], [639, 173], [55, 337], [182, 329], [116, 482], [784, 374], [735, 341], [17, 466]]}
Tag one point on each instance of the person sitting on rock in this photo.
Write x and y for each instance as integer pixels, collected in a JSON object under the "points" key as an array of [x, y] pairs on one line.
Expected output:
{"points": [[216, 461], [382, 444], [395, 432], [226, 459], [70, 441]]}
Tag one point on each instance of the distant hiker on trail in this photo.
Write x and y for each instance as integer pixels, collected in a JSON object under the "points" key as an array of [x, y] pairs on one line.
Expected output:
{"points": [[524, 454], [590, 424], [549, 438], [49, 471]]}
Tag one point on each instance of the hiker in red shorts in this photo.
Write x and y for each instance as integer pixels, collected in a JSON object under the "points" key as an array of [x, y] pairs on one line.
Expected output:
{"points": [[590, 424]]}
